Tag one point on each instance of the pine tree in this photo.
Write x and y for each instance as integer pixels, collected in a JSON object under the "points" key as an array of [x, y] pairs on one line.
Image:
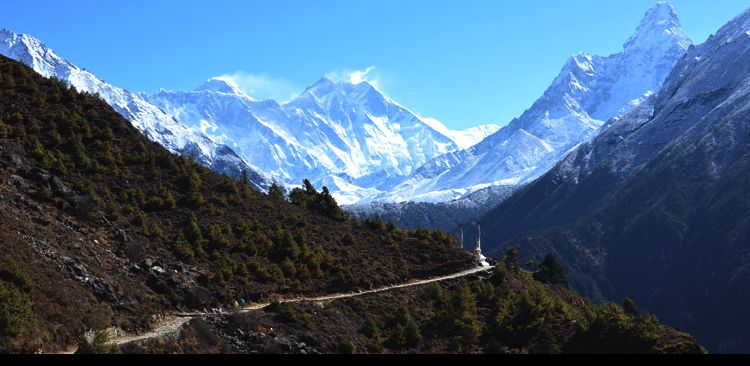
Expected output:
{"points": [[551, 272], [370, 329], [216, 238], [630, 308], [244, 179], [511, 259], [464, 314], [276, 192], [309, 189], [398, 337], [413, 335], [182, 247]]}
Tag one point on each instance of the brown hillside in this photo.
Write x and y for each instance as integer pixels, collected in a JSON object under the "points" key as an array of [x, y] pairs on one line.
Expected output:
{"points": [[111, 228]]}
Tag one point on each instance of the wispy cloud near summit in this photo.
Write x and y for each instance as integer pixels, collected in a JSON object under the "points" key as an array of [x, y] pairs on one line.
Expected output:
{"points": [[369, 74], [263, 86]]}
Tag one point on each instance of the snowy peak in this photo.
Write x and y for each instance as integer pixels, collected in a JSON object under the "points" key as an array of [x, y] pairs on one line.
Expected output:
{"points": [[346, 135], [326, 89], [323, 84], [32, 52], [221, 85], [660, 25], [343, 101], [588, 91], [321, 88], [326, 84], [663, 13], [599, 86]]}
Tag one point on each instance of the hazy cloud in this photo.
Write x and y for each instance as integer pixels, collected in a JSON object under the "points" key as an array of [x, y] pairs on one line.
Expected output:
{"points": [[263, 86]]}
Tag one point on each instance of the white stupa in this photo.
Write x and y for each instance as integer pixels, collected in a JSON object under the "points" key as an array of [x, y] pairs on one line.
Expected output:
{"points": [[478, 248]]}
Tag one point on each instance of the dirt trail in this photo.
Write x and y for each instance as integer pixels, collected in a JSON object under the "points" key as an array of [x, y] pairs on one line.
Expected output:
{"points": [[171, 326], [383, 289]]}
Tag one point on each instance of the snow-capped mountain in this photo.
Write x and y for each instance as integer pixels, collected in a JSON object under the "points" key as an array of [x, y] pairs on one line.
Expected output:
{"points": [[147, 118], [656, 207], [366, 147], [588, 91], [347, 136]]}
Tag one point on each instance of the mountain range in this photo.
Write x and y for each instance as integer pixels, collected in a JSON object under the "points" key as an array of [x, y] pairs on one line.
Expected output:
{"points": [[366, 147], [656, 207], [589, 91], [349, 137]]}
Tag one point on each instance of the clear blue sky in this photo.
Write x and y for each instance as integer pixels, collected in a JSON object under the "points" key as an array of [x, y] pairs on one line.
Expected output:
{"points": [[464, 62]]}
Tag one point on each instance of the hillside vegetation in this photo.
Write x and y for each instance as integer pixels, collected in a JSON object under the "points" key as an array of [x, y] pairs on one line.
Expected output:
{"points": [[507, 312], [130, 229]]}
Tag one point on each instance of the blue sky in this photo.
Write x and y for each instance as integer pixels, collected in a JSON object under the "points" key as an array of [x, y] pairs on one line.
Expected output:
{"points": [[464, 62]]}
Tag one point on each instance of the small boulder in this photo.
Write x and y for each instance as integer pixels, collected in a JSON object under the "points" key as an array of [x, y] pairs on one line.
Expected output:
{"points": [[39, 175], [17, 160], [123, 236], [176, 280], [103, 289], [19, 183], [80, 271], [59, 187]]}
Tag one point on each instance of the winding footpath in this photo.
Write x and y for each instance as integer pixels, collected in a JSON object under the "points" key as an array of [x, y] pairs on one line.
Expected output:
{"points": [[171, 325]]}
